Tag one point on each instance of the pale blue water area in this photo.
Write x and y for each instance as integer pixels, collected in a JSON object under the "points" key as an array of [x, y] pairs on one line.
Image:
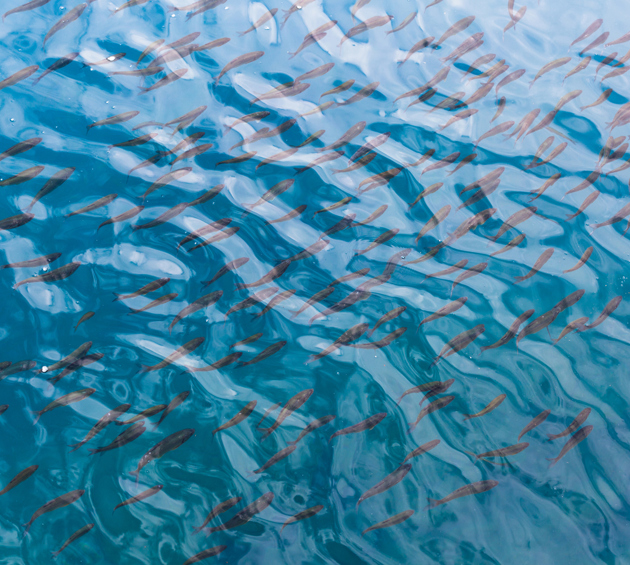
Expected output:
{"points": [[574, 512]]}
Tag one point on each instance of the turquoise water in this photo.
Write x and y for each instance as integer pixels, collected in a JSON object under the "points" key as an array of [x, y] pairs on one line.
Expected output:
{"points": [[573, 512]]}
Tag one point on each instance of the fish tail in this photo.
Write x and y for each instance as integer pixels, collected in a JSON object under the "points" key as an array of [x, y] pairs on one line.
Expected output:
{"points": [[39, 415], [93, 451], [553, 462], [432, 503], [467, 417], [144, 368], [136, 474], [412, 427], [75, 446], [55, 553]]}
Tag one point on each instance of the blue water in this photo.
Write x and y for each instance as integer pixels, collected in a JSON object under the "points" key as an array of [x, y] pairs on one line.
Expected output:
{"points": [[574, 512]]}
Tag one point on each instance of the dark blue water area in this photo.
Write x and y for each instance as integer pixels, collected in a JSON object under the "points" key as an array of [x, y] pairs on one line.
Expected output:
{"points": [[517, 508]]}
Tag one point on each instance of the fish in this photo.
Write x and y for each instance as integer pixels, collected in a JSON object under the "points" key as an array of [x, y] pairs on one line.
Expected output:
{"points": [[20, 147], [271, 276], [268, 352], [524, 124], [149, 49], [424, 448], [512, 331], [292, 214], [509, 78], [162, 218], [582, 261], [253, 300], [23, 176], [95, 205], [459, 342], [514, 19], [579, 67], [585, 183], [432, 388], [32, 5], [146, 289], [353, 334], [75, 536], [608, 310], [590, 30], [383, 238], [402, 516], [166, 179], [369, 146], [163, 447], [55, 504], [496, 130], [286, 90], [548, 183], [319, 160], [245, 515], [254, 117], [55, 275], [369, 23], [139, 497], [478, 63], [19, 76], [204, 6], [199, 304], [210, 552], [596, 42], [603, 97], [445, 310], [445, 162], [355, 130], [391, 315], [207, 196], [77, 364], [194, 152], [291, 406], [338, 89], [239, 61], [426, 192], [275, 191], [471, 272], [387, 340], [154, 303], [231, 266], [472, 488], [168, 79], [19, 478], [124, 438], [37, 262], [430, 408], [388, 482], [223, 362], [575, 439], [208, 228], [534, 423], [334, 206], [128, 4], [502, 452], [515, 219], [65, 400], [571, 326], [53, 182], [114, 120], [550, 67], [282, 454], [314, 425], [404, 23], [540, 262], [308, 513], [260, 21], [373, 216], [180, 352], [417, 47], [473, 42], [367, 424], [179, 399], [617, 217], [65, 20], [480, 194], [240, 416], [456, 28], [489, 408], [147, 413], [464, 114], [309, 39], [354, 297], [105, 421], [350, 277], [57, 65], [247, 340], [9, 369], [218, 509]]}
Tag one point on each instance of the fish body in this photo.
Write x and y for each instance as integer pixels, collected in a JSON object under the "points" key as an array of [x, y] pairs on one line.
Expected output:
{"points": [[473, 488], [398, 518], [199, 304], [575, 439], [180, 352], [55, 504], [163, 447], [240, 416], [430, 408], [131, 433], [179, 399], [534, 423], [139, 497], [65, 400], [19, 478], [282, 454], [424, 448], [105, 421], [388, 482], [210, 552], [366, 424], [245, 515]]}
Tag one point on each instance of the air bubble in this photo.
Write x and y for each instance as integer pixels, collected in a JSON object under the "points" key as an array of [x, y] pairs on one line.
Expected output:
{"points": [[44, 369]]}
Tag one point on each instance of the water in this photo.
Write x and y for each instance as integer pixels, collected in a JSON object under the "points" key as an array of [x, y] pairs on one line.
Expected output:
{"points": [[574, 512]]}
